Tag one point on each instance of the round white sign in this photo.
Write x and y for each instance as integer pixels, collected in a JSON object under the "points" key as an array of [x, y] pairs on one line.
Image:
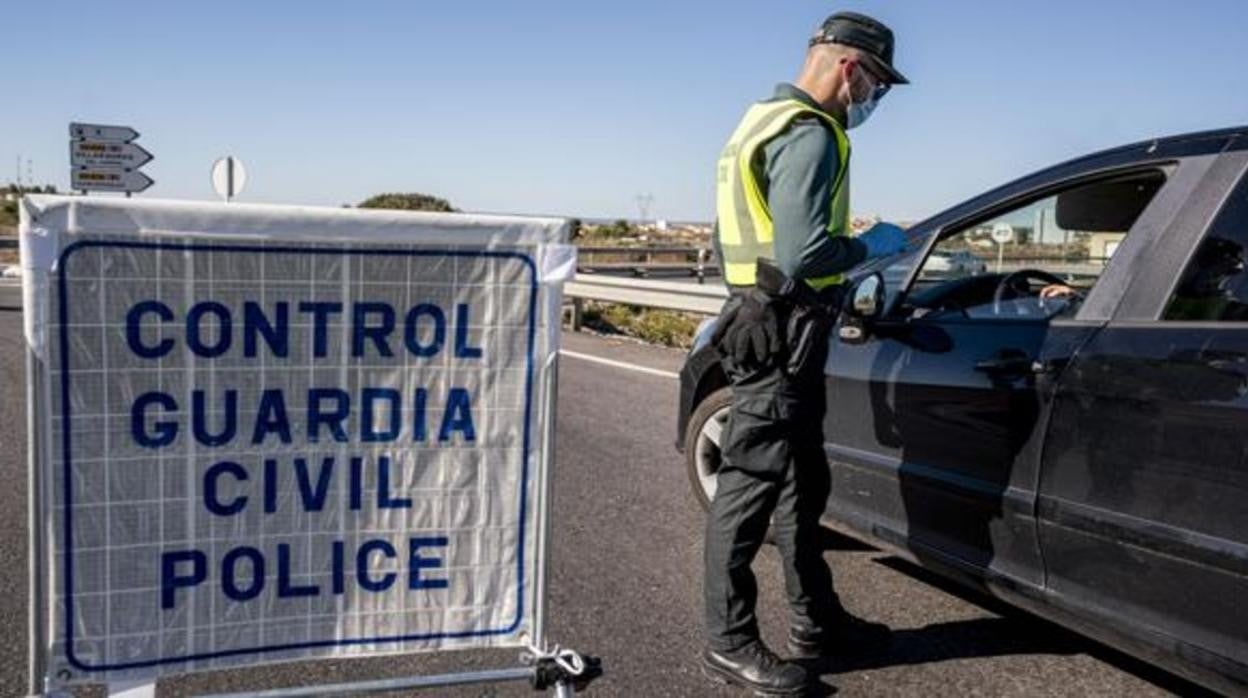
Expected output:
{"points": [[228, 177], [1003, 233]]}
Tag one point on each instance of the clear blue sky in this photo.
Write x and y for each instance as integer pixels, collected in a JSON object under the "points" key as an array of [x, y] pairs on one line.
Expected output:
{"points": [[574, 107]]}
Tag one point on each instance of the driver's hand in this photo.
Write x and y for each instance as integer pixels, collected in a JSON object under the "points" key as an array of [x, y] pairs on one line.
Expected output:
{"points": [[1056, 291]]}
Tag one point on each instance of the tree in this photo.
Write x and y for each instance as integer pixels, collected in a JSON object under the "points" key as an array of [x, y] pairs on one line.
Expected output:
{"points": [[408, 202], [618, 229], [574, 228], [8, 208]]}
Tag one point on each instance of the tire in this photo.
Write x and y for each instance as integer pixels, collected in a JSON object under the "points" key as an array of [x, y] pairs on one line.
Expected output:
{"points": [[702, 434]]}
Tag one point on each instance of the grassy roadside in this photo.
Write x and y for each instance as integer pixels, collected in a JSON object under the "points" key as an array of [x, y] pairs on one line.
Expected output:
{"points": [[664, 327]]}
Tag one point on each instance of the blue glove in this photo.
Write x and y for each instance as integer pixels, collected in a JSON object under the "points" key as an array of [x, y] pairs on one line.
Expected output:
{"points": [[884, 240]]}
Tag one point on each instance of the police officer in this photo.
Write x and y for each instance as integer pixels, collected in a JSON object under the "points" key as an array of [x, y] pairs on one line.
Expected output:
{"points": [[782, 233]]}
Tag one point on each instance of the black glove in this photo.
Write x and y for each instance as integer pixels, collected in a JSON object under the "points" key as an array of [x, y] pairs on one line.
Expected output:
{"points": [[748, 335]]}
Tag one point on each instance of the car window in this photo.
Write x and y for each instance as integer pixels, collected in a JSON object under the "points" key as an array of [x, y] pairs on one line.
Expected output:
{"points": [[1064, 240], [1214, 286]]}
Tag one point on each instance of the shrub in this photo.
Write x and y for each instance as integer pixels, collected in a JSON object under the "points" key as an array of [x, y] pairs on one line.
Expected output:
{"points": [[665, 327]]}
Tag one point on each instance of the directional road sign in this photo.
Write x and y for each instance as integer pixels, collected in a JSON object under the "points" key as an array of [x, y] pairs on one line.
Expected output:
{"points": [[103, 158], [91, 152], [125, 134], [109, 179]]}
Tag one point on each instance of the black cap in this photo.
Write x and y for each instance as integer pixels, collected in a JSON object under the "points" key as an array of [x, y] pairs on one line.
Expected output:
{"points": [[863, 33]]}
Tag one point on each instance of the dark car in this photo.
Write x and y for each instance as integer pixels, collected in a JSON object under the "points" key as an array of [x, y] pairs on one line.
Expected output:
{"points": [[1083, 455]]}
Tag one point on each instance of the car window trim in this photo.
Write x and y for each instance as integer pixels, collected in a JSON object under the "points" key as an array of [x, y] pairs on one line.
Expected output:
{"points": [[1134, 258], [1180, 241]]}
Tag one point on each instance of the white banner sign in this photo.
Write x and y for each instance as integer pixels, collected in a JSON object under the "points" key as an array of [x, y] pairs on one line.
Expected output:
{"points": [[278, 433]]}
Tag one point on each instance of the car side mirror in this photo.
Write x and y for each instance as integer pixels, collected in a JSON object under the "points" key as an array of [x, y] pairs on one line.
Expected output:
{"points": [[868, 298], [866, 303]]}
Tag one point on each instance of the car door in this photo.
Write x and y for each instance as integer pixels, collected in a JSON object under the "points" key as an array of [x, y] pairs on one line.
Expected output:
{"points": [[1143, 499], [936, 422], [952, 405]]}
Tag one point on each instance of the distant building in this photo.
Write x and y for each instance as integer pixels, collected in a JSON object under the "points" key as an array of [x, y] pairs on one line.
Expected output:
{"points": [[1046, 231], [1103, 245]]}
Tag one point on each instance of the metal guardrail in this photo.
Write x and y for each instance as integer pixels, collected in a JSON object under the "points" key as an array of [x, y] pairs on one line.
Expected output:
{"points": [[708, 299], [10, 288], [668, 295], [588, 252], [643, 261]]}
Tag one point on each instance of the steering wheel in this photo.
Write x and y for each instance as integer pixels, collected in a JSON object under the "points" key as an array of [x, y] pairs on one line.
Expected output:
{"points": [[1018, 283]]}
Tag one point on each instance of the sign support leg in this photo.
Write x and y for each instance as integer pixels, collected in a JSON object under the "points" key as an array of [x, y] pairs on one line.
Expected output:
{"points": [[544, 494], [36, 573], [554, 668]]}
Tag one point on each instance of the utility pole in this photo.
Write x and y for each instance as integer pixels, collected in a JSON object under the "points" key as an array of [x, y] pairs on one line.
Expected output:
{"points": [[644, 201], [19, 172]]}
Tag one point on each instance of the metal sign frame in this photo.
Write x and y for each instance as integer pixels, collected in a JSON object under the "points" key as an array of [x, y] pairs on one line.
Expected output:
{"points": [[541, 665]]}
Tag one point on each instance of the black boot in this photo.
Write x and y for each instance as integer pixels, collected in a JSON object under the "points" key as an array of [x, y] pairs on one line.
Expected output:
{"points": [[840, 635], [757, 668]]}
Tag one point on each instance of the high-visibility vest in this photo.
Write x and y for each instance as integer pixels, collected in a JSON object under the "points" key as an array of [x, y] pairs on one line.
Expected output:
{"points": [[744, 224]]}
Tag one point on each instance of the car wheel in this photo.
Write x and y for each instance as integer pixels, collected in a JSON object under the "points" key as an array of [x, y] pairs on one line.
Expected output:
{"points": [[702, 438]]}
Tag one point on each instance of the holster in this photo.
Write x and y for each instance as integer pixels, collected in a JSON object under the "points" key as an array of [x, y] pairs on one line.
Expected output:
{"points": [[807, 318]]}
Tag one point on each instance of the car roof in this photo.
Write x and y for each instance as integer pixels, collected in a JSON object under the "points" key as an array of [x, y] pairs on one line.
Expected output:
{"points": [[1212, 137], [1171, 147]]}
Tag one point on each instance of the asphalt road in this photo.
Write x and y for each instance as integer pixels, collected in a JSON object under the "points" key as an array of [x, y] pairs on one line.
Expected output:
{"points": [[626, 573]]}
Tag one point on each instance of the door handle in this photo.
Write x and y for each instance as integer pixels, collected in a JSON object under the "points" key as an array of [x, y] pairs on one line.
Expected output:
{"points": [[1009, 361]]}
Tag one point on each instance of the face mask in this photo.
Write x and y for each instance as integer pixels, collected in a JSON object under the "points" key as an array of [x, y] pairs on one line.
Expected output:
{"points": [[858, 112]]}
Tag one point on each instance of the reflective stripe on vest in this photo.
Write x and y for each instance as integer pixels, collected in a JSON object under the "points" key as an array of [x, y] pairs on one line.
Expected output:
{"points": [[744, 221]]}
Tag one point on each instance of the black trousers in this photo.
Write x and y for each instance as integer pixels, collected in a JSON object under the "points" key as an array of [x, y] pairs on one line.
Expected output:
{"points": [[773, 466]]}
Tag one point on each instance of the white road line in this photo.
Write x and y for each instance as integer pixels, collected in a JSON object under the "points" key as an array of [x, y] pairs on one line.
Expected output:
{"points": [[619, 364]]}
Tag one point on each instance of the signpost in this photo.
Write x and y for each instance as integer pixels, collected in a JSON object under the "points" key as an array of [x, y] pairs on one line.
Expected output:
{"points": [[105, 158], [1002, 234], [266, 434], [228, 177]]}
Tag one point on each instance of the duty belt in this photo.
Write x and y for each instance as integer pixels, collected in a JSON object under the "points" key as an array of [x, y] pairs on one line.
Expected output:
{"points": [[775, 283]]}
